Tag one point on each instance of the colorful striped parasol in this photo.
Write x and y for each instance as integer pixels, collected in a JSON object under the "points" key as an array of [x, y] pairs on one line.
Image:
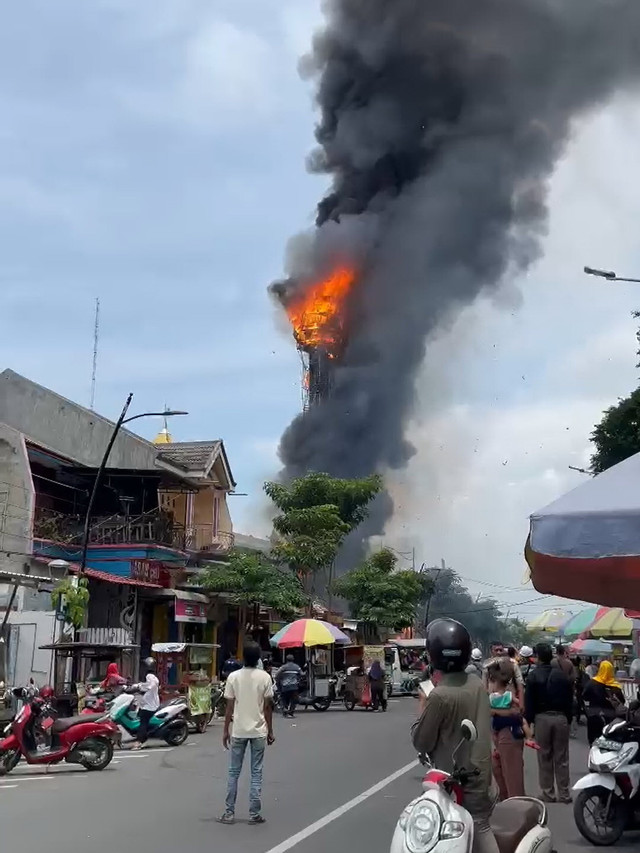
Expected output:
{"points": [[549, 621], [308, 632], [582, 620], [613, 624]]}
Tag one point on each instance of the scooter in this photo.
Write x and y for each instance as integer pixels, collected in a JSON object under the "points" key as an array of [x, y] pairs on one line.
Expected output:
{"points": [[169, 723], [83, 740], [438, 822], [608, 797]]}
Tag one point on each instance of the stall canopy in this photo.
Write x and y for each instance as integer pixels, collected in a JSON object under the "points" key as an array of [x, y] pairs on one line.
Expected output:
{"points": [[583, 620], [549, 621], [587, 543], [593, 648], [613, 624]]}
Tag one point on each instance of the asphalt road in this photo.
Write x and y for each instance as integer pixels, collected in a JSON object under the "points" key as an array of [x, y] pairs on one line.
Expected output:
{"points": [[164, 799]]}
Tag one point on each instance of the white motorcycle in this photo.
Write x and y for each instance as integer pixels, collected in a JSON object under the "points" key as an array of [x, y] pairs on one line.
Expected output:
{"points": [[608, 797], [437, 821], [169, 722]]}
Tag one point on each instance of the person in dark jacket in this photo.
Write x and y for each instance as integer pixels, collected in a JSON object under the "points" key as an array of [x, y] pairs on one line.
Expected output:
{"points": [[548, 708], [376, 682], [288, 680], [603, 699]]}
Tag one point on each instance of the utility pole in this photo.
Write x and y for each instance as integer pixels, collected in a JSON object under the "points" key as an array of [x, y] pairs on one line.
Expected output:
{"points": [[437, 570]]}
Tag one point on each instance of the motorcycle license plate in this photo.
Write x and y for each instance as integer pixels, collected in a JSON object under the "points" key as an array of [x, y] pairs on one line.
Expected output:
{"points": [[608, 745]]}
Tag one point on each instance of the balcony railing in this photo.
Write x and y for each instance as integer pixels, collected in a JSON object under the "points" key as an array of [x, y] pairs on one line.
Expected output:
{"points": [[155, 527]]}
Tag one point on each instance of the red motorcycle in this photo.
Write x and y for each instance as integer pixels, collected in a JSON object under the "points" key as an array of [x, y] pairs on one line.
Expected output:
{"points": [[86, 740]]}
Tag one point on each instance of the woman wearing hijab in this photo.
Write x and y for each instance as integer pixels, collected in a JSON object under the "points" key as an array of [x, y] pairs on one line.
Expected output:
{"points": [[376, 681], [113, 679], [603, 699]]}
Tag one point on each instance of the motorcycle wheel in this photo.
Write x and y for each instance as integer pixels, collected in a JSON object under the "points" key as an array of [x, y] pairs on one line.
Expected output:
{"points": [[600, 829], [177, 735], [349, 701], [102, 749], [322, 703], [9, 760]]}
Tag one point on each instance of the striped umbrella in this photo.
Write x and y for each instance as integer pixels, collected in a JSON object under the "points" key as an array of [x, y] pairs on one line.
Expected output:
{"points": [[549, 621], [308, 632], [613, 624], [582, 620]]}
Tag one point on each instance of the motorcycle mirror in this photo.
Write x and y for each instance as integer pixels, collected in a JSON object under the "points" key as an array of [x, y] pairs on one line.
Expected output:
{"points": [[469, 731]]}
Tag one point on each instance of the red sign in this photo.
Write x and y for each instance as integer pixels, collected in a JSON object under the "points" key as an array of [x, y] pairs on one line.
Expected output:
{"points": [[191, 611], [150, 571]]}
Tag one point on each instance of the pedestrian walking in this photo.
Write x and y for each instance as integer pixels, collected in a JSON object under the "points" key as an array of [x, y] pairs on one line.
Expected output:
{"points": [[548, 709], [376, 682], [475, 664], [509, 730], [603, 699], [248, 723], [288, 684], [149, 703]]}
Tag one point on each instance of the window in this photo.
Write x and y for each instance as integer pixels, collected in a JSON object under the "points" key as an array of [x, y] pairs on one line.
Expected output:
{"points": [[216, 514]]}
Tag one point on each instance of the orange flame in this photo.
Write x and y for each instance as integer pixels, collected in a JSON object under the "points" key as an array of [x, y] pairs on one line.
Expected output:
{"points": [[317, 314]]}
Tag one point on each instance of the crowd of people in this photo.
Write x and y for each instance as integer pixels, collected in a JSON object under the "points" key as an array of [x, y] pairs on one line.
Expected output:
{"points": [[514, 699]]}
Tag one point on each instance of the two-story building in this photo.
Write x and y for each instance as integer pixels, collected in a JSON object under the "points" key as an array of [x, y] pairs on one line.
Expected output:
{"points": [[160, 510]]}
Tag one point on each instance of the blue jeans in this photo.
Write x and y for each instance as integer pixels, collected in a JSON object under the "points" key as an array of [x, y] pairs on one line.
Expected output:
{"points": [[238, 749]]}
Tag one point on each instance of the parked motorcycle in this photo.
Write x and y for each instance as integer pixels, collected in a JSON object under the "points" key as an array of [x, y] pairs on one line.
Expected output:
{"points": [[84, 740], [438, 822], [608, 797], [169, 723]]}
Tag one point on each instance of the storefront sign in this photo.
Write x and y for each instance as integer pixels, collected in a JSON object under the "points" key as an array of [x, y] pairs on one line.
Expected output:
{"points": [[150, 571], [191, 611]]}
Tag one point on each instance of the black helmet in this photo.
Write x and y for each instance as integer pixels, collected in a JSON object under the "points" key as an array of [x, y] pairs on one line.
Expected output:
{"points": [[150, 664], [448, 644]]}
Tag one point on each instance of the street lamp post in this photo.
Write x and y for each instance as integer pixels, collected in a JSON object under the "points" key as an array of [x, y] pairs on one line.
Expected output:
{"points": [[122, 420], [609, 275]]}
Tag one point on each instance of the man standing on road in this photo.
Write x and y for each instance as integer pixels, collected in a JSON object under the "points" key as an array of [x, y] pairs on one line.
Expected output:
{"points": [[458, 696], [149, 703], [548, 707], [288, 684], [249, 695]]}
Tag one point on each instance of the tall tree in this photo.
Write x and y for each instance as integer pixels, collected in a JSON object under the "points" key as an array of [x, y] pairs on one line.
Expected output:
{"points": [[316, 513], [482, 618], [617, 436], [251, 580], [380, 594]]}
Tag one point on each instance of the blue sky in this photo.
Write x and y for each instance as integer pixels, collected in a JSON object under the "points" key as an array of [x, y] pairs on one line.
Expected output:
{"points": [[152, 154]]}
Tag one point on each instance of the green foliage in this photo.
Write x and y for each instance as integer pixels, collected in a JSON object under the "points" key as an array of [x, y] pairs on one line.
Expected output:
{"points": [[251, 579], [74, 600], [617, 436], [378, 593], [482, 618], [317, 512]]}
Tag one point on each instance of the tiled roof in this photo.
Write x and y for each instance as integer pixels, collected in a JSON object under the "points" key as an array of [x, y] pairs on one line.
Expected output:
{"points": [[119, 579], [190, 455]]}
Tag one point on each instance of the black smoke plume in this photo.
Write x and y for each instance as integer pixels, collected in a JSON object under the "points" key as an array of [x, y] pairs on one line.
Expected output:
{"points": [[441, 122]]}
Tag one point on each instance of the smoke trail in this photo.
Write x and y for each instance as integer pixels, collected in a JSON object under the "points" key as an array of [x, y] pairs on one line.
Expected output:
{"points": [[441, 123]]}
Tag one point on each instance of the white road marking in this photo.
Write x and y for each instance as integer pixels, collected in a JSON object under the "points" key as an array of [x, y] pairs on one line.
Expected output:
{"points": [[27, 778], [341, 810], [6, 787]]}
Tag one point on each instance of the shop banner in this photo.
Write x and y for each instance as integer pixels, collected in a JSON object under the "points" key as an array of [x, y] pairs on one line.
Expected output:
{"points": [[190, 611], [150, 571]]}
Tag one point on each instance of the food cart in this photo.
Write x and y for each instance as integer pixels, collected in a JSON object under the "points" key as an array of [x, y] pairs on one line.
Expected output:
{"points": [[185, 669], [78, 667]]}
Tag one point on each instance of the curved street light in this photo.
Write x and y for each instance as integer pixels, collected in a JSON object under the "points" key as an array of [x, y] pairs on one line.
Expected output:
{"points": [[123, 419], [609, 275]]}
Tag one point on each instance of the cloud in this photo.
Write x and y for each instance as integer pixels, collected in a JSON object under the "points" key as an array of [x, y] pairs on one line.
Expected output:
{"points": [[507, 399]]}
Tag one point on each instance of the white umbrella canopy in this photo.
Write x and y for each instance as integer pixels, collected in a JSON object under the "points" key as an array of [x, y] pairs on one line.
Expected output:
{"points": [[586, 544]]}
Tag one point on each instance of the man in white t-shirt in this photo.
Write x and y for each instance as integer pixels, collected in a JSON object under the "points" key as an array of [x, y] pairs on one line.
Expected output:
{"points": [[148, 703], [248, 722]]}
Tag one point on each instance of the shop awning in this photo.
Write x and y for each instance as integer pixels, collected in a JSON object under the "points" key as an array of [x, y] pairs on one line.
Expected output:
{"points": [[587, 543], [119, 579]]}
